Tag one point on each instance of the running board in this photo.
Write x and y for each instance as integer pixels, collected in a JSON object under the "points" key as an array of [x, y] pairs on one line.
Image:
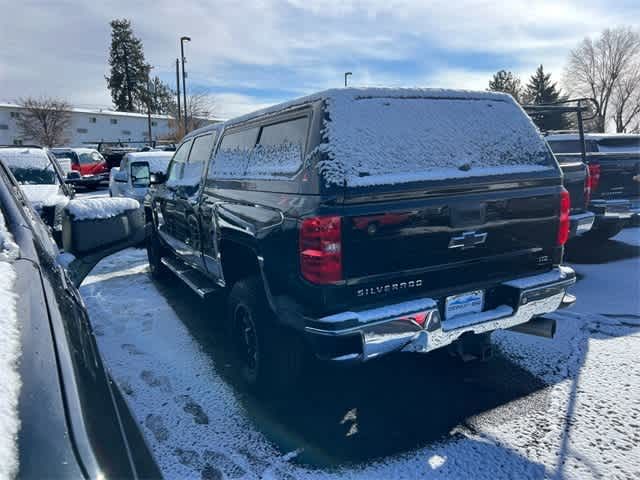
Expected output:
{"points": [[195, 280]]}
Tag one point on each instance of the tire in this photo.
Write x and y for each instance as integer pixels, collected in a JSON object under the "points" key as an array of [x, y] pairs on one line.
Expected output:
{"points": [[269, 358], [155, 251], [604, 232]]}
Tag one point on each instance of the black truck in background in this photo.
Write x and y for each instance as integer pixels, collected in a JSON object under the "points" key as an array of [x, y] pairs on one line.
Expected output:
{"points": [[613, 162], [358, 222]]}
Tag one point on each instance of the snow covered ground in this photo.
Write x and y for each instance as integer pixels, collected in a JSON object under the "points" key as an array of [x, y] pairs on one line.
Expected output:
{"points": [[562, 408]]}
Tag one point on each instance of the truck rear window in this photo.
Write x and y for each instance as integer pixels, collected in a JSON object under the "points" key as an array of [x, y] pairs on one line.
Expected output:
{"points": [[377, 140]]}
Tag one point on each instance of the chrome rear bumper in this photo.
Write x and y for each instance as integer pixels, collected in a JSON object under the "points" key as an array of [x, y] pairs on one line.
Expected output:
{"points": [[581, 223], [416, 326], [614, 209]]}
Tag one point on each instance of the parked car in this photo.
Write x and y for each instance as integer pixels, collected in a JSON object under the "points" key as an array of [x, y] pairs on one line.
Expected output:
{"points": [[63, 415], [614, 167], [88, 162], [131, 178], [272, 206], [42, 180]]}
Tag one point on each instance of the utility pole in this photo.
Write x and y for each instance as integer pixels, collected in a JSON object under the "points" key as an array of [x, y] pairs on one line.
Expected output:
{"points": [[346, 76], [149, 104], [184, 80], [178, 90]]}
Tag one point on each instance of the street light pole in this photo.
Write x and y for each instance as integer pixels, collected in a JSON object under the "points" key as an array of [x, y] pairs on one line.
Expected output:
{"points": [[184, 80], [346, 76], [178, 91], [149, 104]]}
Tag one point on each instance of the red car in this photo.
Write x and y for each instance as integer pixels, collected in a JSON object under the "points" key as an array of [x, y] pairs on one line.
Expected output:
{"points": [[88, 162]]}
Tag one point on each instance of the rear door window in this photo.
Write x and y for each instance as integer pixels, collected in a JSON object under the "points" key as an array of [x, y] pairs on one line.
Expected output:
{"points": [[280, 150], [232, 157]]}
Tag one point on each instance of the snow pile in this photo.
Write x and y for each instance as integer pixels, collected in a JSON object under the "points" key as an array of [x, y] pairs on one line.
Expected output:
{"points": [[32, 158], [95, 208], [9, 356], [373, 140]]}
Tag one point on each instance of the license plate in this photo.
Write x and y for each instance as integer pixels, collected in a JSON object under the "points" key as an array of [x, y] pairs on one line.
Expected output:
{"points": [[464, 303]]}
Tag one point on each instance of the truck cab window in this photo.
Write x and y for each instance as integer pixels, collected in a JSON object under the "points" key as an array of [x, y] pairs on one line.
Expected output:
{"points": [[200, 153], [176, 168]]}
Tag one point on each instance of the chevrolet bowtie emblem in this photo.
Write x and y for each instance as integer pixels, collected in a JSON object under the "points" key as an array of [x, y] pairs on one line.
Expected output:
{"points": [[468, 240]]}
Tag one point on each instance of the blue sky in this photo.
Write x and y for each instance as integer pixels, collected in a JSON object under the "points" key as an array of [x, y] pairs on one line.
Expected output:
{"points": [[253, 53]]}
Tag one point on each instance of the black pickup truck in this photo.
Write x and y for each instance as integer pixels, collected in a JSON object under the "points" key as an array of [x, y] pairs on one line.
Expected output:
{"points": [[613, 162], [357, 222]]}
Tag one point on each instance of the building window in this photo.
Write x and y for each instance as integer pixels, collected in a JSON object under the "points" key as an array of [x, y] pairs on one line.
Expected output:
{"points": [[93, 119], [14, 114], [126, 132], [113, 121], [17, 141], [154, 124], [4, 126], [82, 130]]}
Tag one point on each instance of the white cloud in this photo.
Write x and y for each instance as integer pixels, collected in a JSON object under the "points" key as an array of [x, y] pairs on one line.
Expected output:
{"points": [[249, 50]]}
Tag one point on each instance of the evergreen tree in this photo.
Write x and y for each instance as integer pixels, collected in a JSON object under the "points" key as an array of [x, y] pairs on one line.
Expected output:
{"points": [[163, 99], [507, 82], [129, 73], [541, 90]]}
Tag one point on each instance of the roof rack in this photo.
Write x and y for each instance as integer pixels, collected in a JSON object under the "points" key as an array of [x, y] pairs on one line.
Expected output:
{"points": [[564, 106]]}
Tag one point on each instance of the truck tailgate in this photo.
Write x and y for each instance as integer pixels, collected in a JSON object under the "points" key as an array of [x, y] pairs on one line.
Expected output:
{"points": [[618, 175], [453, 238]]}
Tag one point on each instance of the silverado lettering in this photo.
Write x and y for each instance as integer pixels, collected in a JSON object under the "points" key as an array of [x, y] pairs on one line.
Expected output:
{"points": [[392, 287]]}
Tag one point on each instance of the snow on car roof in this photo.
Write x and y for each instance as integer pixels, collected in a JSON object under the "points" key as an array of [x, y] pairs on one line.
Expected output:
{"points": [[157, 160], [9, 355], [25, 157], [338, 94]]}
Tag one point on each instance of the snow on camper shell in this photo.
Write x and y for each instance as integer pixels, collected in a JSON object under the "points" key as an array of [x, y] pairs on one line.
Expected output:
{"points": [[376, 136]]}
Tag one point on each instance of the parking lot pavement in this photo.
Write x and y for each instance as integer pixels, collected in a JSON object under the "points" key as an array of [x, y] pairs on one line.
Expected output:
{"points": [[562, 408]]}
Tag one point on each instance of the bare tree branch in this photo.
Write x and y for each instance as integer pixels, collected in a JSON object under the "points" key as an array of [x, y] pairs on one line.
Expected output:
{"points": [[605, 70], [44, 120], [200, 110]]}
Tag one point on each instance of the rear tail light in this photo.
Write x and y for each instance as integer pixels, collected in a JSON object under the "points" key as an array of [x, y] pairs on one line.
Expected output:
{"points": [[564, 224], [594, 175], [587, 189], [321, 249], [75, 166]]}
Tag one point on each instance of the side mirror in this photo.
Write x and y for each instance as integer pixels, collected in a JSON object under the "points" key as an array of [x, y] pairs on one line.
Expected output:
{"points": [[93, 228], [121, 177], [157, 178]]}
